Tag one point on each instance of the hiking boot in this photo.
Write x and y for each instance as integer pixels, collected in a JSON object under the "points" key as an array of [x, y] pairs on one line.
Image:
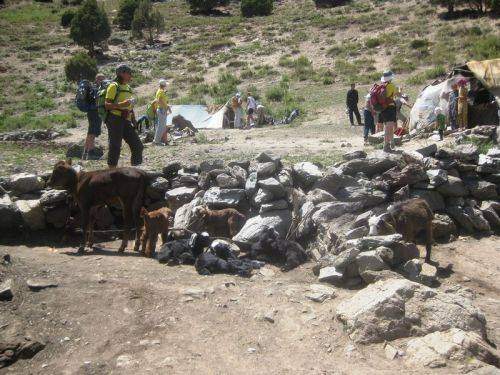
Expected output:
{"points": [[387, 148]]}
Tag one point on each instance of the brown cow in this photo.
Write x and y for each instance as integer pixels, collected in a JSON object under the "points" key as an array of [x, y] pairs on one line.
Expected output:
{"points": [[220, 223], [409, 218], [96, 188], [155, 223]]}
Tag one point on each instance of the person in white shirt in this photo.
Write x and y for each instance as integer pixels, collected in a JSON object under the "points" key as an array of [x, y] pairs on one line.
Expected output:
{"points": [[251, 107]]}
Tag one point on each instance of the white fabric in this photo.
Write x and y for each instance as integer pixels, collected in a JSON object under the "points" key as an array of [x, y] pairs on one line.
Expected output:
{"points": [[161, 125], [251, 103], [237, 118]]}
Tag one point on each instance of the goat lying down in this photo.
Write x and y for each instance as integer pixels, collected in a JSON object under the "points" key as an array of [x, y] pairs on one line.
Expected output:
{"points": [[409, 218]]}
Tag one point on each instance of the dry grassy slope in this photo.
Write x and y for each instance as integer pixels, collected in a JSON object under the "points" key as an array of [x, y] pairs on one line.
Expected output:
{"points": [[316, 51]]}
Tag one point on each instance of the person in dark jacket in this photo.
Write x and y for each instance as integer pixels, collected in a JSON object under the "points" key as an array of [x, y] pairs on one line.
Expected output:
{"points": [[352, 100], [95, 122]]}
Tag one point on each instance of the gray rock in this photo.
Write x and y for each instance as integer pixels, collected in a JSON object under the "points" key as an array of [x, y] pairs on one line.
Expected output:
{"points": [[32, 213], [491, 215], [392, 309], [184, 216], [370, 277], [23, 183], [488, 164], [275, 205], [171, 169], [362, 219], [261, 197], [52, 197], [306, 174], [265, 170], [268, 157], [319, 293], [6, 293], [330, 275], [413, 157], [356, 233], [224, 181], [285, 178], [157, 189], [251, 184], [317, 196], [469, 219], [443, 227], [429, 150], [395, 178], [401, 194], [428, 274], [333, 180], [493, 152], [331, 210], [370, 166], [218, 198], [273, 186], [358, 154], [482, 190], [39, 284], [437, 177], [466, 152], [280, 220], [57, 216], [239, 174], [10, 216], [437, 348], [370, 261], [242, 164], [75, 150], [453, 188], [366, 198], [180, 196], [209, 165]]}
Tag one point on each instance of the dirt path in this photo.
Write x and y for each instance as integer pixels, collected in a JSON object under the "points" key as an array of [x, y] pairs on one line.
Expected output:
{"points": [[130, 315]]}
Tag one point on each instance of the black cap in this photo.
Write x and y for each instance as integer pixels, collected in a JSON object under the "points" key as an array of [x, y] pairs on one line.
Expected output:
{"points": [[123, 68]]}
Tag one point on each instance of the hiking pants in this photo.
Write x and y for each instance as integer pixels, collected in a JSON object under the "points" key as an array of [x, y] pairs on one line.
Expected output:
{"points": [[462, 115], [118, 129], [161, 126], [354, 110], [369, 123], [237, 118]]}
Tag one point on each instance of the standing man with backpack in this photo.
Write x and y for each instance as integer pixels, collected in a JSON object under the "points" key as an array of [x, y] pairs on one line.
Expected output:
{"points": [[119, 105], [351, 102], [382, 98], [95, 122]]}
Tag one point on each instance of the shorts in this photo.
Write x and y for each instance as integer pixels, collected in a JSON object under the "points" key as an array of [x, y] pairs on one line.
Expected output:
{"points": [[250, 111], [388, 115], [95, 123]]}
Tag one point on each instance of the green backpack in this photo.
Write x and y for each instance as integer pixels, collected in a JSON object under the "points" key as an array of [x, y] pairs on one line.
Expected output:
{"points": [[101, 98]]}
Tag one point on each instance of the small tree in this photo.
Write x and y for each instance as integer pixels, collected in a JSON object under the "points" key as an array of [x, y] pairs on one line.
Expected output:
{"points": [[205, 6], [80, 66], [90, 26], [125, 13], [147, 22], [250, 8], [67, 17]]}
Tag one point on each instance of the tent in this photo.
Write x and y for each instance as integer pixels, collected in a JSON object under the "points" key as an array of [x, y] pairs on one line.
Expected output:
{"points": [[200, 116], [486, 72]]}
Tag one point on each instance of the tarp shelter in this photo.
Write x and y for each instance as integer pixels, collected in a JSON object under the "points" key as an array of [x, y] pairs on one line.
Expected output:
{"points": [[486, 72], [200, 116]]}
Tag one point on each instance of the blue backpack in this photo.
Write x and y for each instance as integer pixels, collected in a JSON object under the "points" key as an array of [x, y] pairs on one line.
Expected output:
{"points": [[85, 97]]}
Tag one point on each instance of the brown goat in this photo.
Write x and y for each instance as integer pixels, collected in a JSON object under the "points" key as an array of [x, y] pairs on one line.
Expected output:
{"points": [[155, 223], [220, 223], [409, 218]]}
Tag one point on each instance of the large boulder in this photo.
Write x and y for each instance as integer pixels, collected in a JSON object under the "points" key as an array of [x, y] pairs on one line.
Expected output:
{"points": [[157, 189], [468, 153], [240, 174], [358, 154], [225, 181], [209, 165], [397, 308], [437, 348], [10, 216], [185, 215], [279, 220], [261, 197], [218, 198], [53, 197], [32, 213], [306, 174], [328, 211], [273, 186], [491, 214], [266, 157], [317, 196], [265, 170], [488, 164], [179, 196], [333, 180], [437, 177], [443, 227], [57, 216], [251, 184], [482, 190], [469, 218], [23, 183], [370, 166], [364, 197], [432, 197], [453, 188], [395, 178]]}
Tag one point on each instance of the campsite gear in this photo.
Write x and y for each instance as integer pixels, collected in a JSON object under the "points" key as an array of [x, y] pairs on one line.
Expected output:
{"points": [[84, 99], [120, 129]]}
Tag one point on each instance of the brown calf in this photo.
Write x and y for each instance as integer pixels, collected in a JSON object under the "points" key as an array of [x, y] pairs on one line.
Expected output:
{"points": [[409, 218], [155, 223], [221, 223], [96, 188]]}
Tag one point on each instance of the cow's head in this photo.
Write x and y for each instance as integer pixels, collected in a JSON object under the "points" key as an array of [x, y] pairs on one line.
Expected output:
{"points": [[63, 176]]}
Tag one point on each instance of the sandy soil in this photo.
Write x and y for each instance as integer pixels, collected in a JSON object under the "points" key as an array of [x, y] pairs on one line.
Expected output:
{"points": [[126, 314]]}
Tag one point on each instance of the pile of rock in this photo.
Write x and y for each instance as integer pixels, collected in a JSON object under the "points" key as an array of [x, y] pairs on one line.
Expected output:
{"points": [[30, 135]]}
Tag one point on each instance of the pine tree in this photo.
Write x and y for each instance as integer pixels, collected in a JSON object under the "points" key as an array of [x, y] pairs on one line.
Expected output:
{"points": [[90, 26], [147, 21]]}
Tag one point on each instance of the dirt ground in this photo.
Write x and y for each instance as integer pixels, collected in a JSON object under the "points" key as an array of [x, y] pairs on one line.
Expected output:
{"points": [[125, 314]]}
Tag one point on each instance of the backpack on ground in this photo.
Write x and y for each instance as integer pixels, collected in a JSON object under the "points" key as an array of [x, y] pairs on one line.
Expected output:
{"points": [[378, 97], [83, 99]]}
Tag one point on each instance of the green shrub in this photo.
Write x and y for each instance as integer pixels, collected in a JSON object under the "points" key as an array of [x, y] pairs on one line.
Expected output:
{"points": [[276, 93], [80, 66], [205, 6], [147, 20], [486, 48], [90, 26], [250, 8], [125, 13], [67, 17], [419, 43], [372, 42]]}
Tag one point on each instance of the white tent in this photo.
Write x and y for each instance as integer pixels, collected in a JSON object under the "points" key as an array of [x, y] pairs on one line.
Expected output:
{"points": [[199, 116]]}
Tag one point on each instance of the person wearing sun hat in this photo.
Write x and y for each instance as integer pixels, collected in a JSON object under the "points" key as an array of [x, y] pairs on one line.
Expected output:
{"points": [[389, 115]]}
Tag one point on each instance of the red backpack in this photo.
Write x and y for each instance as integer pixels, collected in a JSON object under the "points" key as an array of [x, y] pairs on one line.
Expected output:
{"points": [[378, 97]]}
